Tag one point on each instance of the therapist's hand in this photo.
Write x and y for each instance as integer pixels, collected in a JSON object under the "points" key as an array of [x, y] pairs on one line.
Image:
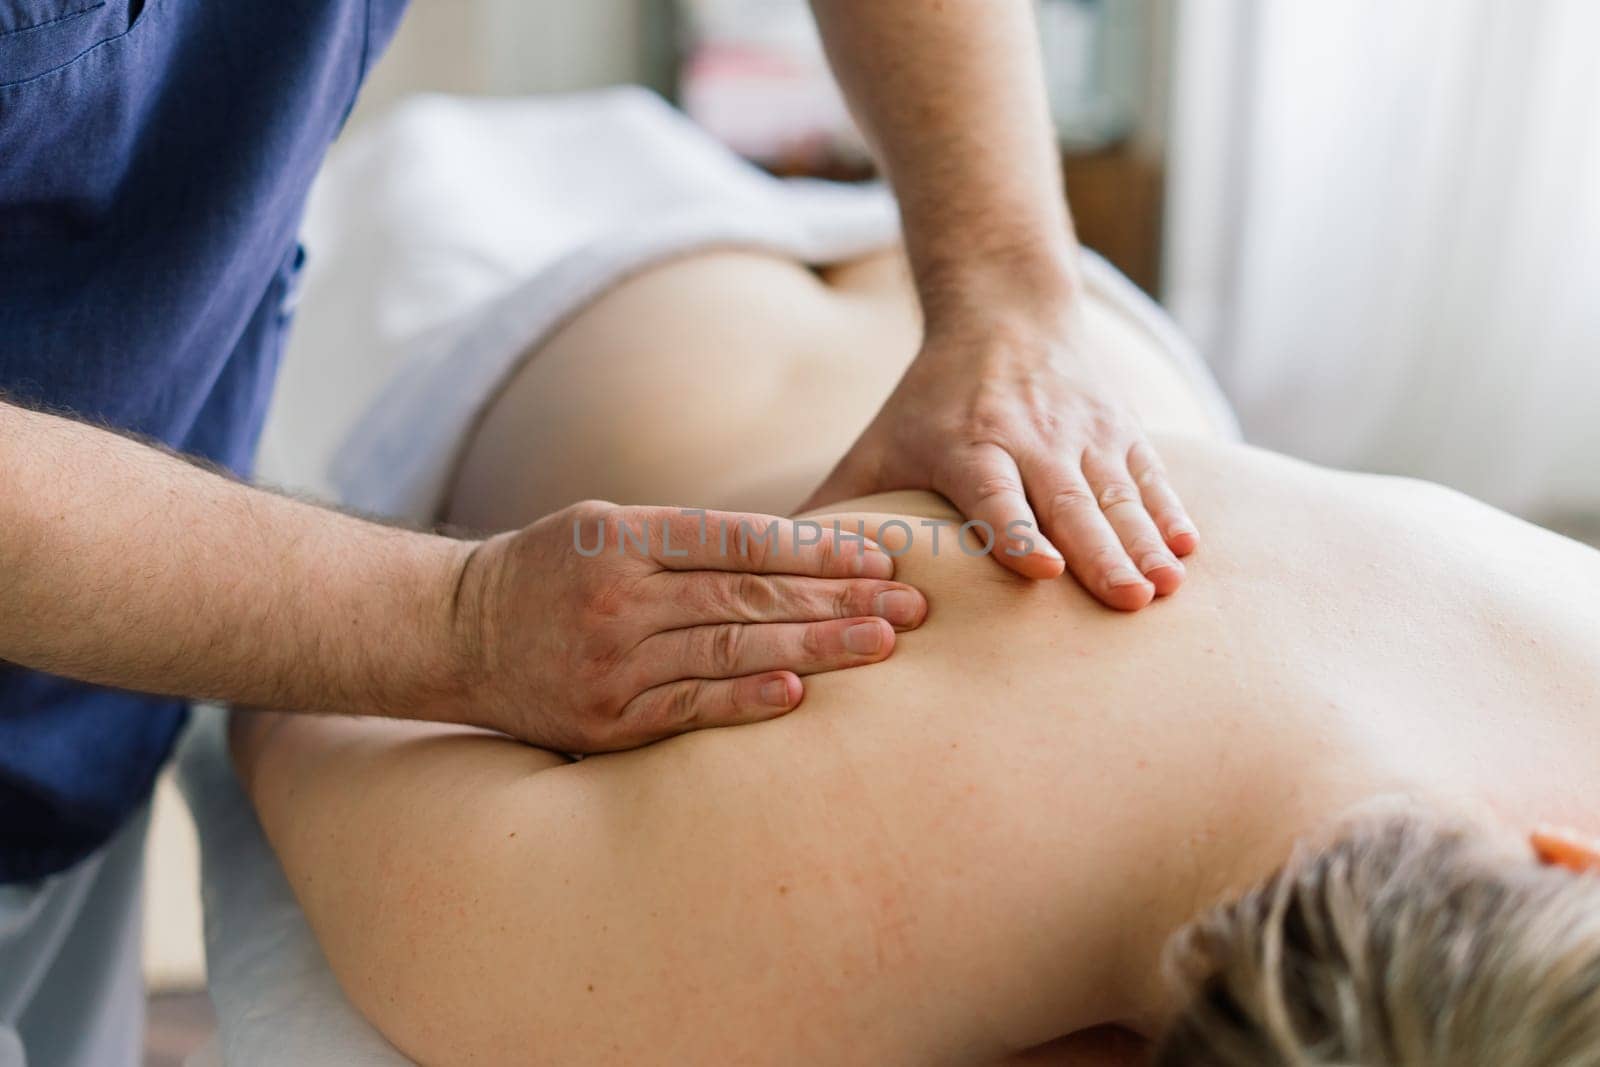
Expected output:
{"points": [[1003, 411], [1004, 414], [582, 649]]}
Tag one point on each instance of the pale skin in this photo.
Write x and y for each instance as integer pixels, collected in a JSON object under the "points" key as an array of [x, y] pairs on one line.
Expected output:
{"points": [[970, 852], [127, 567]]}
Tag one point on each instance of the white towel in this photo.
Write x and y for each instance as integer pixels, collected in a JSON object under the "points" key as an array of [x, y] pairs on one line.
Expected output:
{"points": [[455, 235], [458, 231]]}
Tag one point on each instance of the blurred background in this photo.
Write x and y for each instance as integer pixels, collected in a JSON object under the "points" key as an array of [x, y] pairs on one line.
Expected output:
{"points": [[1378, 219]]}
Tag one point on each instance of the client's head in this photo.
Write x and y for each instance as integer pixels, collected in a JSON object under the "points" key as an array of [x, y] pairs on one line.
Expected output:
{"points": [[1405, 943]]}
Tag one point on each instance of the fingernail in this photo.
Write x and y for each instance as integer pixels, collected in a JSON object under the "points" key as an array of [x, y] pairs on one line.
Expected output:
{"points": [[864, 638], [1046, 549], [900, 606], [873, 563], [1157, 561], [775, 694], [1181, 529], [1123, 576]]}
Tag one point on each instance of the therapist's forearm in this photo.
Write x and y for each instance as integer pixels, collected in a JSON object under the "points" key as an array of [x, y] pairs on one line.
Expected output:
{"points": [[125, 566], [952, 97]]}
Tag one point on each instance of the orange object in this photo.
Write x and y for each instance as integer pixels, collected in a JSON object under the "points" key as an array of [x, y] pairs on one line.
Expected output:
{"points": [[1566, 848]]}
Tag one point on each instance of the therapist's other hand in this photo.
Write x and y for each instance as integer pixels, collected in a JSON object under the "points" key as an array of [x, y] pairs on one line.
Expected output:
{"points": [[580, 650], [1009, 420]]}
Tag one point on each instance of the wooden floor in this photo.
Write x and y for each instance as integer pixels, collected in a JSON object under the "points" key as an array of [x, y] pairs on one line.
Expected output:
{"points": [[178, 1024]]}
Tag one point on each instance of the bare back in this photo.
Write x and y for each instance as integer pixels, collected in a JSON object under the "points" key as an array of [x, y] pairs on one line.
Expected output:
{"points": [[977, 845]]}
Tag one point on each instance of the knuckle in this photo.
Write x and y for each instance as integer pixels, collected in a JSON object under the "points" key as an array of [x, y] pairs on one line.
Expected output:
{"points": [[1102, 415], [1151, 477], [1106, 557], [683, 704], [990, 407], [1117, 492], [591, 511], [753, 593], [1104, 425], [590, 525], [985, 426], [1143, 455], [813, 644], [1049, 424], [997, 485], [1076, 498], [753, 544], [722, 646], [828, 555], [1147, 545]]}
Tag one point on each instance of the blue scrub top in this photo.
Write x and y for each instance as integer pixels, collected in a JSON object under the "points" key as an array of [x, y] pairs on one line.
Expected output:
{"points": [[154, 161]]}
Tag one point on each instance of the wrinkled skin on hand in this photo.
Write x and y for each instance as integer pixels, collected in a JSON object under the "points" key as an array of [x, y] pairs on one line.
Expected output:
{"points": [[582, 640]]}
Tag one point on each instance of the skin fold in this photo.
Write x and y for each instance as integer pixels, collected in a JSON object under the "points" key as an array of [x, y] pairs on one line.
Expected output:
{"points": [[976, 849]]}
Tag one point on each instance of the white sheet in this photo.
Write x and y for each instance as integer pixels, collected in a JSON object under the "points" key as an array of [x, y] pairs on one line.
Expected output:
{"points": [[277, 1002], [446, 238], [443, 242]]}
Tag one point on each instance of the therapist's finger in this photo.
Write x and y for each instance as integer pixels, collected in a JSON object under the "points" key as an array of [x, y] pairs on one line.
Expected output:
{"points": [[676, 599], [1124, 509], [730, 650], [1161, 500], [985, 485], [683, 539], [1094, 551], [702, 703]]}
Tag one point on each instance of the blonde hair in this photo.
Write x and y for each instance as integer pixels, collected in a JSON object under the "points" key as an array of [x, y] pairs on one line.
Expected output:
{"points": [[1404, 943]]}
